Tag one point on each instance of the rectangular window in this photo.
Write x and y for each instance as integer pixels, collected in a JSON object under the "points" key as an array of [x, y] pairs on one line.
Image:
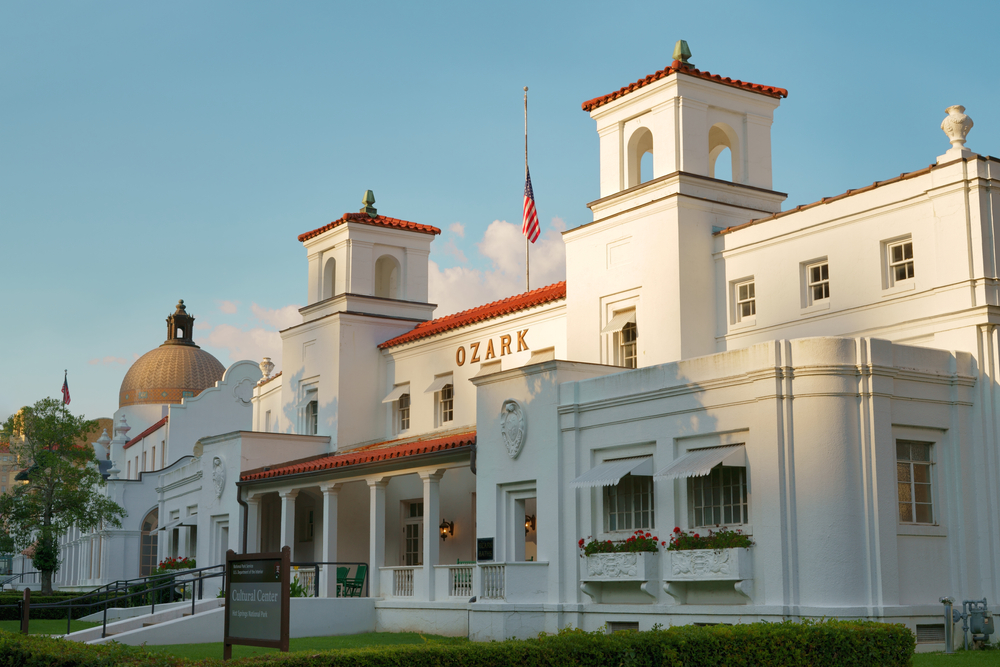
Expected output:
{"points": [[629, 504], [404, 412], [818, 281], [746, 301], [128, 470], [913, 476], [153, 457], [312, 417], [719, 498], [447, 403], [267, 422], [143, 461], [413, 532], [900, 256], [627, 343]]}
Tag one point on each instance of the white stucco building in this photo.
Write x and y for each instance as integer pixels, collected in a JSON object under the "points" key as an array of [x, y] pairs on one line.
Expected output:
{"points": [[822, 378]]}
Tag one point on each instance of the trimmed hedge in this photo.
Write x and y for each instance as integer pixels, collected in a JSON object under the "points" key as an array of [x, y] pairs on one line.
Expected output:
{"points": [[788, 644]]}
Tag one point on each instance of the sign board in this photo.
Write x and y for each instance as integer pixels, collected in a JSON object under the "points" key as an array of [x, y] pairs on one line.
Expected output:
{"points": [[257, 600], [484, 549]]}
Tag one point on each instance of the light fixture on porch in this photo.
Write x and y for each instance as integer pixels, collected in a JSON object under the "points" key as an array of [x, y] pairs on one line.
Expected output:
{"points": [[447, 528], [529, 523]]}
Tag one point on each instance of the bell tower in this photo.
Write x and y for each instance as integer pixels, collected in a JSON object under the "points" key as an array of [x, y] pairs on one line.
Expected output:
{"points": [[641, 276]]}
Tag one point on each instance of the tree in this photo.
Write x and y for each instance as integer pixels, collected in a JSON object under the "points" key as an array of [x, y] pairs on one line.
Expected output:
{"points": [[63, 487]]}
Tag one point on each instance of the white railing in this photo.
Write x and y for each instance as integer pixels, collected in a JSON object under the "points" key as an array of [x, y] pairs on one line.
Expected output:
{"points": [[492, 581], [460, 581], [307, 578], [402, 582]]}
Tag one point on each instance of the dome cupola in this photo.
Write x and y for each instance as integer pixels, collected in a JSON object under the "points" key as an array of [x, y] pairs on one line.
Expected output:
{"points": [[176, 370]]}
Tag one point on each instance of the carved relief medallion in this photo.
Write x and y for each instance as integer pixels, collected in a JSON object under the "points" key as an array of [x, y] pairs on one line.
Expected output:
{"points": [[513, 426]]}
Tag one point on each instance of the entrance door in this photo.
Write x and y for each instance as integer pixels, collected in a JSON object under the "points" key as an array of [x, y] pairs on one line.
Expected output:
{"points": [[413, 533]]}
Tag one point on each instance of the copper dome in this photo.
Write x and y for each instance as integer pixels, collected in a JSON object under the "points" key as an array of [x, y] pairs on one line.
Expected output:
{"points": [[177, 369]]}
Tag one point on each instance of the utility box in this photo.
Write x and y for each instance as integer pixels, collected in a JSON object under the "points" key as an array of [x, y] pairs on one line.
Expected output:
{"points": [[981, 622]]}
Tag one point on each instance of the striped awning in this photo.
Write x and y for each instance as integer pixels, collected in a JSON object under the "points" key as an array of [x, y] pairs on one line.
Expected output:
{"points": [[609, 473], [619, 321], [699, 462], [396, 392]]}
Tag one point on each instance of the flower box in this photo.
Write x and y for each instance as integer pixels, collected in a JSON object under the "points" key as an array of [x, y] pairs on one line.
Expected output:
{"points": [[627, 566], [708, 565]]}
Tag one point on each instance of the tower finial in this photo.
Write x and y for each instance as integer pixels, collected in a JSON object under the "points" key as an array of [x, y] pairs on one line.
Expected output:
{"points": [[681, 54], [368, 200]]}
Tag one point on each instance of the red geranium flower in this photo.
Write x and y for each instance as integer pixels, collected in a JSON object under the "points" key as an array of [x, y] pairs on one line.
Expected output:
{"points": [[677, 529]]}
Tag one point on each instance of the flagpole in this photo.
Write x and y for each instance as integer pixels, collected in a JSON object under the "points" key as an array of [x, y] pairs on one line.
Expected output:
{"points": [[527, 268]]}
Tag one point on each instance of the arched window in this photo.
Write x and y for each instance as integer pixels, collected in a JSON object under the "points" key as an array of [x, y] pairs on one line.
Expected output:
{"points": [[639, 145], [148, 542], [387, 277], [330, 278], [724, 146]]}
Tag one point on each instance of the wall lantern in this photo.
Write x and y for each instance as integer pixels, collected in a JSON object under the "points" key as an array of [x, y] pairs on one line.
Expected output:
{"points": [[447, 528], [529, 523]]}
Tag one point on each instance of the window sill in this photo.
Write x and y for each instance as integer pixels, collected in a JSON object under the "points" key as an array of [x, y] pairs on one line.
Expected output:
{"points": [[744, 324], [921, 530], [900, 286], [815, 308]]}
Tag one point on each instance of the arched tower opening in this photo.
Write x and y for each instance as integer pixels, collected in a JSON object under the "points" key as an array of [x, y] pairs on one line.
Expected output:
{"points": [[148, 543], [724, 144], [330, 278], [640, 144], [387, 273]]}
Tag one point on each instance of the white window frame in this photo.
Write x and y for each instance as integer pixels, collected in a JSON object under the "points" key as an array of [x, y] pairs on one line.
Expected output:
{"points": [[407, 520], [905, 262], [309, 409], [738, 316], [626, 489], [816, 280], [912, 483], [717, 474], [446, 404], [403, 413], [623, 346]]}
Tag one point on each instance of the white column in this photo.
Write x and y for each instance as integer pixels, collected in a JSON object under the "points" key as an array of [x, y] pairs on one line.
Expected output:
{"points": [[331, 493], [253, 524], [376, 532], [432, 517], [165, 545], [288, 519], [183, 541]]}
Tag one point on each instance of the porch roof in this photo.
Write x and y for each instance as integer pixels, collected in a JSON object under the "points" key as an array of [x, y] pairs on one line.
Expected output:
{"points": [[367, 455]]}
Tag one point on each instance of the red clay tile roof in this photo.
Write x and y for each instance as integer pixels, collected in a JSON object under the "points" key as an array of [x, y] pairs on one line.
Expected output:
{"points": [[149, 430], [276, 375], [382, 451], [511, 304], [677, 67], [827, 200], [365, 219]]}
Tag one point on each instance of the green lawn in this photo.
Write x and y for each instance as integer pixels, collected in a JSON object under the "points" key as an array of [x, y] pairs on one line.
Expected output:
{"points": [[958, 659], [311, 644], [45, 627]]}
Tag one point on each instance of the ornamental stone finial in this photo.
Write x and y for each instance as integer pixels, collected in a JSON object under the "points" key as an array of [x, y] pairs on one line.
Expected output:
{"points": [[266, 367], [368, 200], [956, 125], [682, 53]]}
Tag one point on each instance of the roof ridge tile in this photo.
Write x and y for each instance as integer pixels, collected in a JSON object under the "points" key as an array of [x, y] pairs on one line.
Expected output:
{"points": [[365, 219]]}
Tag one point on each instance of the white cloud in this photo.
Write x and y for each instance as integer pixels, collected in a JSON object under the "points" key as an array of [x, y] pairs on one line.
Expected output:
{"points": [[107, 361], [457, 228], [253, 344], [260, 338], [280, 318], [462, 287], [228, 307]]}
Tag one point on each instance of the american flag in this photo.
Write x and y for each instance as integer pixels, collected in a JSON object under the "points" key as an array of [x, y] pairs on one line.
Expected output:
{"points": [[65, 391], [530, 227]]}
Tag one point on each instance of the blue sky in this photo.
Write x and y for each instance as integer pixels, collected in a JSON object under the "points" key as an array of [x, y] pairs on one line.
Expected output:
{"points": [[156, 151]]}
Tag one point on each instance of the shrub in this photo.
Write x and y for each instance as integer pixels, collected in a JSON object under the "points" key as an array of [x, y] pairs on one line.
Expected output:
{"points": [[787, 644]]}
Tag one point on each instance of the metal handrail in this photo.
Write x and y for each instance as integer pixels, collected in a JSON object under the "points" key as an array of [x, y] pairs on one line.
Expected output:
{"points": [[316, 565], [11, 577], [171, 585]]}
